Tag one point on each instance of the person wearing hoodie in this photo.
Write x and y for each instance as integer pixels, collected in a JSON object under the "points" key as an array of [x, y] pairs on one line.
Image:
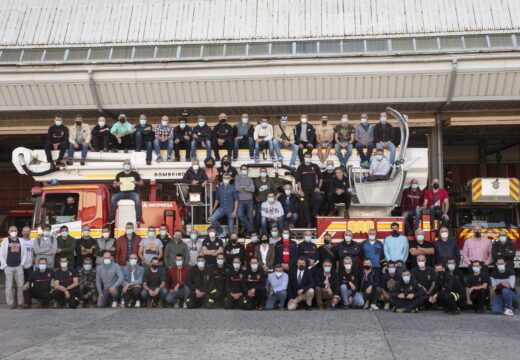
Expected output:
{"points": [[505, 249], [246, 189], [407, 295], [176, 247], [222, 137], [202, 136], [132, 282], [272, 214], [109, 279], [446, 248], [45, 246], [396, 245]]}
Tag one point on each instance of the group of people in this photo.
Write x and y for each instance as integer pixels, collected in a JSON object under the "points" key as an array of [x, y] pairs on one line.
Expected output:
{"points": [[300, 139], [271, 272]]}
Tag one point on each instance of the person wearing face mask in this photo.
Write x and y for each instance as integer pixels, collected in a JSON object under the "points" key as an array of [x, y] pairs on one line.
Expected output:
{"points": [[327, 286], [451, 267], [411, 204], [373, 249], [407, 295], [437, 202], [219, 273], [154, 284], [12, 258], [339, 192], [419, 246], [327, 174], [109, 278], [201, 137], [132, 283], [388, 282], [122, 132], [477, 247], [263, 136], [286, 252], [66, 284], [144, 137], [349, 247], [477, 287], [66, 245], [425, 276], [272, 213], [104, 243], [100, 136], [503, 284], [163, 235], [349, 281], [301, 286], [396, 245], [38, 285], [308, 177], [222, 137], [344, 136], [226, 205], [324, 138], [369, 285], [28, 243], [127, 244], [276, 235], [174, 248], [87, 283], [263, 186], [45, 246], [448, 293], [250, 248], [505, 249], [246, 189], [80, 135], [196, 178], [364, 139], [194, 247], [446, 248], [150, 247], [163, 139], [226, 167], [182, 134], [304, 137], [307, 249], [212, 174], [327, 251], [236, 288], [265, 254], [243, 137], [255, 285], [276, 285], [127, 182], [178, 292], [379, 167], [200, 282], [70, 208], [211, 247], [85, 247], [291, 205], [384, 136], [234, 249], [57, 139], [284, 139]]}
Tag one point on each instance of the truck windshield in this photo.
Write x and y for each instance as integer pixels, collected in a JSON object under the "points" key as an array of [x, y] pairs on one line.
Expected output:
{"points": [[60, 208], [487, 217]]}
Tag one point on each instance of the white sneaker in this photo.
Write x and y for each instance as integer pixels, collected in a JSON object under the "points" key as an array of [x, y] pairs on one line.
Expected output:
{"points": [[137, 304], [184, 306], [176, 306], [122, 304], [508, 312], [387, 306], [114, 304], [374, 307]]}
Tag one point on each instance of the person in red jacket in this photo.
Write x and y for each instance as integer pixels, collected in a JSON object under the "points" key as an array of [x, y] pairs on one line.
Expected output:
{"points": [[175, 282], [127, 244], [411, 203]]}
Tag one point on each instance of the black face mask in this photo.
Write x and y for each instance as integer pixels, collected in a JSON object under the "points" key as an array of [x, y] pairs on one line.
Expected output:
{"points": [[326, 241], [234, 241], [367, 267], [478, 233], [210, 165], [222, 121], [436, 185], [225, 163], [440, 274], [264, 241], [122, 120], [78, 122], [324, 122], [155, 267], [301, 267], [395, 233]]}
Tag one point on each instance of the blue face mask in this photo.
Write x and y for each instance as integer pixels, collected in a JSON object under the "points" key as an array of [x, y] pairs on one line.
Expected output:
{"points": [[178, 263], [330, 167], [182, 125], [327, 269], [476, 269], [307, 238], [236, 266], [42, 267], [64, 233], [87, 267], [193, 236], [133, 262], [151, 234], [254, 239], [46, 233], [391, 271], [200, 264], [129, 231], [406, 279], [126, 167], [220, 262], [274, 233], [254, 267], [162, 232], [86, 233]]}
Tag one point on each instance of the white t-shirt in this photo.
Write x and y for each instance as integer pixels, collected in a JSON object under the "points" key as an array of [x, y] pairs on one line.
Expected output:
{"points": [[29, 251]]}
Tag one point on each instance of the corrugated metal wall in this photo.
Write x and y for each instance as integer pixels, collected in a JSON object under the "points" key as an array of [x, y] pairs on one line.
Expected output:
{"points": [[87, 22]]}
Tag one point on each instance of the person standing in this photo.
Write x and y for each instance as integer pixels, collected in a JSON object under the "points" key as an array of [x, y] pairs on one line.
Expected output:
{"points": [[66, 246], [446, 248], [150, 247], [12, 258], [85, 247], [174, 248], [57, 139], [246, 189], [308, 176], [504, 248], [105, 243], [396, 245], [477, 248], [45, 246], [28, 243], [226, 204], [127, 244]]}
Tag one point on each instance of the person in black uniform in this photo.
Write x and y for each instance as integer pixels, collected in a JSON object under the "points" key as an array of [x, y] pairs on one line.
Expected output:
{"points": [[222, 137], [226, 167], [339, 192], [39, 285], [449, 292], [369, 285], [407, 295], [451, 267], [255, 284], [211, 247], [504, 248], [477, 287], [327, 251], [57, 138], [425, 275], [327, 286], [201, 137], [66, 285], [307, 249], [234, 249], [200, 282], [419, 246], [308, 176], [351, 248], [236, 287], [182, 140], [219, 280], [326, 180]]}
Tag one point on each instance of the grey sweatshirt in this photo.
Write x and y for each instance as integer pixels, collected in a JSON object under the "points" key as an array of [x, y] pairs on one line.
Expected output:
{"points": [[364, 135], [108, 276], [245, 187], [172, 249], [45, 248]]}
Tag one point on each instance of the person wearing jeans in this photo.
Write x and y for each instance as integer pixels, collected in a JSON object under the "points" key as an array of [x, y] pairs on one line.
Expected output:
{"points": [[503, 284], [109, 278], [284, 139], [163, 138], [364, 137], [263, 137], [126, 194], [276, 286], [201, 136], [272, 213], [226, 204], [243, 136], [80, 136], [176, 281], [246, 188], [57, 138], [349, 284], [384, 135], [344, 138], [12, 258], [144, 137]]}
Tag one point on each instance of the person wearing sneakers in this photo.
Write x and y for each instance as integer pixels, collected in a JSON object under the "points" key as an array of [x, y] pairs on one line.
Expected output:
{"points": [[100, 140], [80, 136], [144, 137], [178, 292], [369, 285], [154, 284], [284, 139], [127, 182], [324, 138], [327, 286], [109, 279], [243, 137], [276, 286], [132, 283], [503, 284], [222, 137], [344, 137], [263, 137], [182, 140], [308, 176], [304, 137], [407, 295], [384, 136], [57, 139], [201, 137], [122, 132], [364, 136], [163, 139]]}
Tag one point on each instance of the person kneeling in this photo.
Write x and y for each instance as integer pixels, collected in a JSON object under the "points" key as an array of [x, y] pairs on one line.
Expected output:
{"points": [[408, 295], [132, 283], [327, 287], [301, 286], [154, 284], [255, 284], [176, 283], [87, 283], [109, 279], [236, 287], [39, 284]]}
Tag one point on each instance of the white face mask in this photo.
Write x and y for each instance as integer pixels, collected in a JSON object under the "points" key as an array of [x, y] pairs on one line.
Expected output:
{"points": [[285, 236], [371, 237], [13, 234], [243, 172], [211, 234], [101, 123], [201, 123], [501, 267], [421, 264], [348, 238], [419, 237], [444, 235], [502, 239], [263, 174], [348, 266], [307, 160], [58, 122], [142, 122], [379, 157], [164, 122], [278, 274], [303, 120], [245, 120], [414, 186], [106, 235], [363, 120], [270, 199], [344, 120], [287, 192], [195, 167], [382, 119], [264, 124]]}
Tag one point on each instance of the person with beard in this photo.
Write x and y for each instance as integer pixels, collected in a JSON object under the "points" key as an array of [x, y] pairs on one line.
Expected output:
{"points": [[396, 245]]}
